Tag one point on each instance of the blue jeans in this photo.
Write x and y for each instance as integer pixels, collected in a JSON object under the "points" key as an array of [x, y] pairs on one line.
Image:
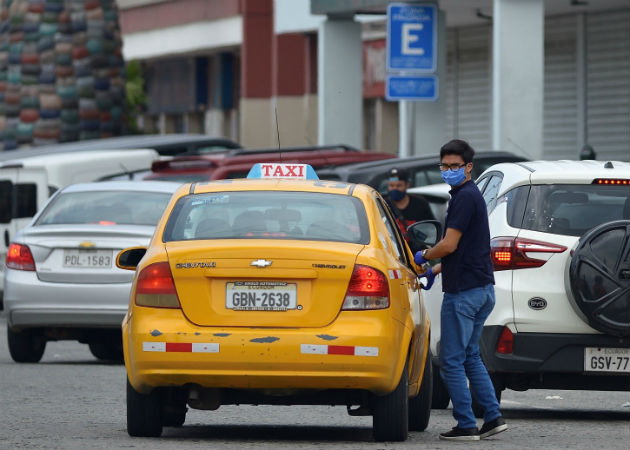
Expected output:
{"points": [[462, 318]]}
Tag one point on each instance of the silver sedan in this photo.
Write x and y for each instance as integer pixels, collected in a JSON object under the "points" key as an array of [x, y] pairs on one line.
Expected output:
{"points": [[61, 279]]}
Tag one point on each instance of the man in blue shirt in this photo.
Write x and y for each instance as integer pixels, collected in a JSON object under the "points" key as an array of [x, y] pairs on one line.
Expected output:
{"points": [[468, 285]]}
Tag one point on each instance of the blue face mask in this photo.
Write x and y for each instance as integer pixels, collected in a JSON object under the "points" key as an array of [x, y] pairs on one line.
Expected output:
{"points": [[396, 195], [454, 177]]}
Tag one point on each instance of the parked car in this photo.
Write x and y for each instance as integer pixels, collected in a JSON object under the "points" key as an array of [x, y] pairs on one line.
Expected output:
{"points": [[164, 144], [279, 289], [26, 182], [61, 280], [560, 243], [237, 163], [423, 170]]}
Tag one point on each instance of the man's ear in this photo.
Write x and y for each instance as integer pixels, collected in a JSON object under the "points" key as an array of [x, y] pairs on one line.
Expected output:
{"points": [[469, 168]]}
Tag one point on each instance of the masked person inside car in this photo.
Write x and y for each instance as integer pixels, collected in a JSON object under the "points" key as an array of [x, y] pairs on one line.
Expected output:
{"points": [[406, 208]]}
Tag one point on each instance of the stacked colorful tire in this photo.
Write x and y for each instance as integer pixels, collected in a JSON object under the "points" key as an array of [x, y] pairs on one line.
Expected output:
{"points": [[61, 71]]}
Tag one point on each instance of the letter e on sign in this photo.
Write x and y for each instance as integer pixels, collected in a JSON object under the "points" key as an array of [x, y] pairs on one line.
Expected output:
{"points": [[408, 38]]}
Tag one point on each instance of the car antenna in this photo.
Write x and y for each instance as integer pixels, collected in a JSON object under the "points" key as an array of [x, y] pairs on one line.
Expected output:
{"points": [[275, 108], [126, 171]]}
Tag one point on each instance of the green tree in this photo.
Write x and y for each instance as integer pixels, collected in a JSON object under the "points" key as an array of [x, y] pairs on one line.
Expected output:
{"points": [[135, 97]]}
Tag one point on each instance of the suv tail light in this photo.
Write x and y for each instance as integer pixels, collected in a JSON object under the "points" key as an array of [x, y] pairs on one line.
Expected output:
{"points": [[368, 289], [155, 287], [505, 345], [19, 257], [510, 253]]}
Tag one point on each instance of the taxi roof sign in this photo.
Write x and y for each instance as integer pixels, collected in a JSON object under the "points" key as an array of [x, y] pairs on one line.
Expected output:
{"points": [[292, 171]]}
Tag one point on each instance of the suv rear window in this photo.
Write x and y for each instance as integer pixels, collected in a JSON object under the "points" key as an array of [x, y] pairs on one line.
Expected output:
{"points": [[268, 215], [568, 209]]}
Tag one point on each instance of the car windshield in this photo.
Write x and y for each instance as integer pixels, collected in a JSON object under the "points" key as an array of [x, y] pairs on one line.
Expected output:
{"points": [[105, 208], [571, 209], [268, 215]]}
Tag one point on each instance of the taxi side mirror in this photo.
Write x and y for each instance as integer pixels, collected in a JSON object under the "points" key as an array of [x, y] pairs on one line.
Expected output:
{"points": [[129, 258], [424, 234]]}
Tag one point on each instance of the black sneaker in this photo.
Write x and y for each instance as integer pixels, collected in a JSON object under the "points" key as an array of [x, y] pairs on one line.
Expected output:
{"points": [[461, 434], [493, 427]]}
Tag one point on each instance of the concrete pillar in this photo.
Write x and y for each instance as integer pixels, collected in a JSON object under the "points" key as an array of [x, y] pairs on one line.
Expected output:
{"points": [[429, 118], [518, 76], [340, 82], [256, 124]]}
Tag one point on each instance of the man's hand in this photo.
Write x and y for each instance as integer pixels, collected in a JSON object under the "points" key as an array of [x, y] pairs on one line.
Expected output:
{"points": [[419, 259], [430, 276]]}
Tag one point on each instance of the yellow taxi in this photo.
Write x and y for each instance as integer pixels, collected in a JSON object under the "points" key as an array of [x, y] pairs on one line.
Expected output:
{"points": [[277, 289]]}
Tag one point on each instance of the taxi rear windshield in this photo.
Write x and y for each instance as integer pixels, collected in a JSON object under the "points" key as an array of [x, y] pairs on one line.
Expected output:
{"points": [[309, 216]]}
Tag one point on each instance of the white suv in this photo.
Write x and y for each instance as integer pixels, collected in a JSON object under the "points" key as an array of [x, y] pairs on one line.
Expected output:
{"points": [[560, 240]]}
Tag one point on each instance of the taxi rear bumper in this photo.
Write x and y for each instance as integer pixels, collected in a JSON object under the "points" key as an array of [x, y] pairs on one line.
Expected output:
{"points": [[358, 351]]}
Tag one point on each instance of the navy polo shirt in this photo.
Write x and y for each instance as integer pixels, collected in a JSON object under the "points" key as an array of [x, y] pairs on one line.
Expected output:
{"points": [[470, 265]]}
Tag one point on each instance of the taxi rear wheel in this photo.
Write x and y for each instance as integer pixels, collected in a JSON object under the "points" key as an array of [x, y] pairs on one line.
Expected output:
{"points": [[26, 346], [420, 405], [144, 413], [390, 413]]}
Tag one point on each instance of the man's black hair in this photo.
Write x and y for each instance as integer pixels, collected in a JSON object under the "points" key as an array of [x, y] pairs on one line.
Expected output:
{"points": [[460, 148]]}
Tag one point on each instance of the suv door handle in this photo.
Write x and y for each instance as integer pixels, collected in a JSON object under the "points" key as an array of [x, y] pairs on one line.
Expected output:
{"points": [[7, 241]]}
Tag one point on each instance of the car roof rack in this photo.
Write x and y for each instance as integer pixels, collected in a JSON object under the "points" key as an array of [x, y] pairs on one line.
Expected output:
{"points": [[306, 148]]}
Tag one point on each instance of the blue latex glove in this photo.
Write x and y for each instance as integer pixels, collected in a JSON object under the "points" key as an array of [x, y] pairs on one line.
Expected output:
{"points": [[430, 276], [419, 259]]}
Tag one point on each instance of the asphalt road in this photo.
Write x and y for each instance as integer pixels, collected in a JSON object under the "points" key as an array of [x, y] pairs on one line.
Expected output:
{"points": [[71, 401]]}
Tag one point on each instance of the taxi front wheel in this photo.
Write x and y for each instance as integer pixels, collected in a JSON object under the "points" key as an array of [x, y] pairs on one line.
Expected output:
{"points": [[420, 405], [144, 413], [390, 413]]}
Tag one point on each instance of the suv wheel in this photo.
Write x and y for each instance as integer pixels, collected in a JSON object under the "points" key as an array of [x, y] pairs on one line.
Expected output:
{"points": [[441, 397], [599, 277]]}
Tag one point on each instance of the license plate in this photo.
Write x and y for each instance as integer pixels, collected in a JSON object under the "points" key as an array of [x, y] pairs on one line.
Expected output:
{"points": [[260, 296], [601, 359], [91, 259]]}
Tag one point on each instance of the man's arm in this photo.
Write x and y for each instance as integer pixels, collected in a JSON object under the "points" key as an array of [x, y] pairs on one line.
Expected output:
{"points": [[447, 245]]}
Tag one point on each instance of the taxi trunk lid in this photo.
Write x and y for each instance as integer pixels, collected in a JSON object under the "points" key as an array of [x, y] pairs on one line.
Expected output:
{"points": [[258, 283]]}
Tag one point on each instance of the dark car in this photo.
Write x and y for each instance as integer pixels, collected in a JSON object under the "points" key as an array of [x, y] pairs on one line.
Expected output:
{"points": [[423, 170], [237, 163]]}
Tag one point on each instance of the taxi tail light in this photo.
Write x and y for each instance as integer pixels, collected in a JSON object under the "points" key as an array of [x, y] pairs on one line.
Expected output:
{"points": [[19, 257], [368, 289], [505, 345], [155, 287], [510, 253]]}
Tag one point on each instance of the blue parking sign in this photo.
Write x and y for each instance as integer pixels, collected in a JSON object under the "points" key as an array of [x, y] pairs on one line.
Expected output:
{"points": [[411, 87], [411, 38]]}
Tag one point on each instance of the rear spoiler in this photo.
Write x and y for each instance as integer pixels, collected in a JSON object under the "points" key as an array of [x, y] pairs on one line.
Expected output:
{"points": [[181, 164]]}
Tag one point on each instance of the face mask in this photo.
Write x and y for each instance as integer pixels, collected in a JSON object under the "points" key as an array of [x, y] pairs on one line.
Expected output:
{"points": [[396, 195], [454, 177]]}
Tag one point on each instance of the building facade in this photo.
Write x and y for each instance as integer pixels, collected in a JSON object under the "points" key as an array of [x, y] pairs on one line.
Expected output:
{"points": [[256, 71]]}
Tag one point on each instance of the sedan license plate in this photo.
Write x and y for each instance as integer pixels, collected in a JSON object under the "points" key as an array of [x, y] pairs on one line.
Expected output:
{"points": [[90, 259], [602, 359], [260, 296]]}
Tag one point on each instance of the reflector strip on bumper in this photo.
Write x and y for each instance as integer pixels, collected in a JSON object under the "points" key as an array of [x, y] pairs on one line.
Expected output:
{"points": [[395, 274], [182, 347], [350, 350]]}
